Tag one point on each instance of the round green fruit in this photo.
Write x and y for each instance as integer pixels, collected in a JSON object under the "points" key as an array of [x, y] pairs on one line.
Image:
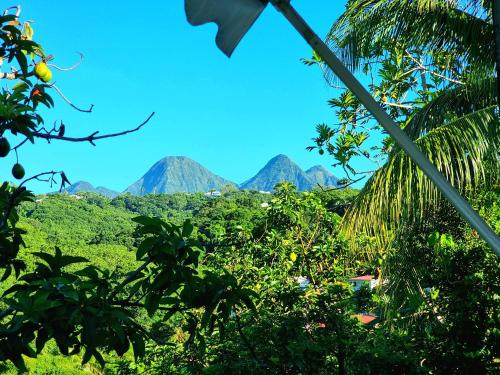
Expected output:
{"points": [[321, 151], [47, 76], [41, 70], [18, 171], [4, 147]]}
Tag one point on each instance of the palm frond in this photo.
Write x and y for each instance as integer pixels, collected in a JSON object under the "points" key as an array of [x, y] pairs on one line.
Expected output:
{"points": [[400, 192], [429, 24], [454, 102]]}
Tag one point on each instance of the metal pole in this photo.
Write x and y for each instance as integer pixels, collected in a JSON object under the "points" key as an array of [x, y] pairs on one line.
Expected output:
{"points": [[462, 206]]}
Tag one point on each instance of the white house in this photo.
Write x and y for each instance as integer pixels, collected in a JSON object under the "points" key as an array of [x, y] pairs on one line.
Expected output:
{"points": [[213, 193], [358, 282]]}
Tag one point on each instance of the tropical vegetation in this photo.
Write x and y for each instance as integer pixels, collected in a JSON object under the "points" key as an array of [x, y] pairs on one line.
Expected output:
{"points": [[256, 283]]}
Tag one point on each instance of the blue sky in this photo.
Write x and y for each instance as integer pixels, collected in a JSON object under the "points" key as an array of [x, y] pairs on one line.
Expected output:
{"points": [[231, 115]]}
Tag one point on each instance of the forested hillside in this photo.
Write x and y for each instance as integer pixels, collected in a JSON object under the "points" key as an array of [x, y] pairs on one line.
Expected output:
{"points": [[287, 277], [287, 248]]}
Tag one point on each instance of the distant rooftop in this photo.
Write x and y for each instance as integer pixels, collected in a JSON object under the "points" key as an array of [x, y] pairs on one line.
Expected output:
{"points": [[365, 318], [362, 278]]}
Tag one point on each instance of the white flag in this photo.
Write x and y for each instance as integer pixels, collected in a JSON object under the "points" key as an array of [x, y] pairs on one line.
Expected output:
{"points": [[233, 17]]}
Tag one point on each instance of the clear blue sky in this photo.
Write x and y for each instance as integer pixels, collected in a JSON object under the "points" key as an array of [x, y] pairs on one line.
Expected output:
{"points": [[231, 115]]}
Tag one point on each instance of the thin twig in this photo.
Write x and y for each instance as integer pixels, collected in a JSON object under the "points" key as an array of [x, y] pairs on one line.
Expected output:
{"points": [[20, 144], [92, 137], [71, 67], [17, 7], [69, 102], [352, 182]]}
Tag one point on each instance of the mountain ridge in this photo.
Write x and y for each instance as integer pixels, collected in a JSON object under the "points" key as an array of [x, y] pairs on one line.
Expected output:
{"points": [[173, 174], [87, 187], [280, 168]]}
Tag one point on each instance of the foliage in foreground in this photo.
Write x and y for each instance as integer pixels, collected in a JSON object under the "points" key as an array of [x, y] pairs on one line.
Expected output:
{"points": [[291, 255]]}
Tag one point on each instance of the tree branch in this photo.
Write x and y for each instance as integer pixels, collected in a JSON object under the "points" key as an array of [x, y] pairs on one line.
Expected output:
{"points": [[92, 137], [69, 101]]}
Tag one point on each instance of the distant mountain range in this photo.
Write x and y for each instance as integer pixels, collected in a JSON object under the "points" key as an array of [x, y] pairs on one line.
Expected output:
{"points": [[86, 187], [282, 168], [174, 174]]}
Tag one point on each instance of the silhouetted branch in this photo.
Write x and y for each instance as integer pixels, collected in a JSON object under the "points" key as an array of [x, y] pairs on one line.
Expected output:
{"points": [[352, 182], [92, 137], [69, 102], [16, 7]]}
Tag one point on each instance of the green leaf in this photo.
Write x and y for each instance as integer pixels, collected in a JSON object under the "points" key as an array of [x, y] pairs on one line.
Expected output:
{"points": [[187, 228], [139, 346], [145, 247], [152, 302]]}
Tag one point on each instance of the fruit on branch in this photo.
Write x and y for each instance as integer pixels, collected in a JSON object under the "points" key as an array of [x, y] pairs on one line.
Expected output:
{"points": [[43, 72], [46, 78], [41, 69], [18, 171], [4, 147]]}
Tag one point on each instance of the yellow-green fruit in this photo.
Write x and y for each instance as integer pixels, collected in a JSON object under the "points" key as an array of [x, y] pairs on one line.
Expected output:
{"points": [[4, 147], [18, 171], [47, 77], [41, 70]]}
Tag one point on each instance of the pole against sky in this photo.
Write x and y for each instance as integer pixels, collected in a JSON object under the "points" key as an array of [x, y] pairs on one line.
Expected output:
{"points": [[231, 116], [234, 23]]}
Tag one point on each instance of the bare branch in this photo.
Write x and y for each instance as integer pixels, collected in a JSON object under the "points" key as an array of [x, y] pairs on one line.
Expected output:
{"points": [[405, 106], [69, 102], [16, 7], [71, 67], [20, 144], [426, 70], [92, 137], [352, 182]]}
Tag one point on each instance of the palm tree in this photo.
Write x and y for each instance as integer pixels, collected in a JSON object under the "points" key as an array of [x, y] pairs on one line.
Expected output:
{"points": [[457, 128]]}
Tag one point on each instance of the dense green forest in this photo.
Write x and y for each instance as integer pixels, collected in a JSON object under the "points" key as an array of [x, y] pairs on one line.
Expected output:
{"points": [[385, 280], [287, 249]]}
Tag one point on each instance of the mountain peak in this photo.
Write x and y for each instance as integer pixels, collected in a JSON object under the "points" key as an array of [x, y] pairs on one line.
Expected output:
{"points": [[319, 175], [87, 187], [173, 174], [280, 168]]}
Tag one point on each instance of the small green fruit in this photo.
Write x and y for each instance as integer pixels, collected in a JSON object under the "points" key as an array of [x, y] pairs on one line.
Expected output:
{"points": [[41, 70], [4, 147], [18, 171], [321, 151], [47, 76]]}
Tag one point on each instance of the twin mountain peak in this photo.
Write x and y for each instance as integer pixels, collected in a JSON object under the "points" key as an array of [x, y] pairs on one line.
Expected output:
{"points": [[174, 174]]}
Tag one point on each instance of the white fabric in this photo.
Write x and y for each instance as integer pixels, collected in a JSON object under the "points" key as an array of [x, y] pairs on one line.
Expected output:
{"points": [[233, 17]]}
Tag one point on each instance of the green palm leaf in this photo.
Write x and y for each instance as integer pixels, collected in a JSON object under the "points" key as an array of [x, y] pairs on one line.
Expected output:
{"points": [[454, 102], [464, 28], [400, 192]]}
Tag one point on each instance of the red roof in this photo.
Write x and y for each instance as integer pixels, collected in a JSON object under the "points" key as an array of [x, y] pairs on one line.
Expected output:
{"points": [[365, 319], [362, 278]]}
